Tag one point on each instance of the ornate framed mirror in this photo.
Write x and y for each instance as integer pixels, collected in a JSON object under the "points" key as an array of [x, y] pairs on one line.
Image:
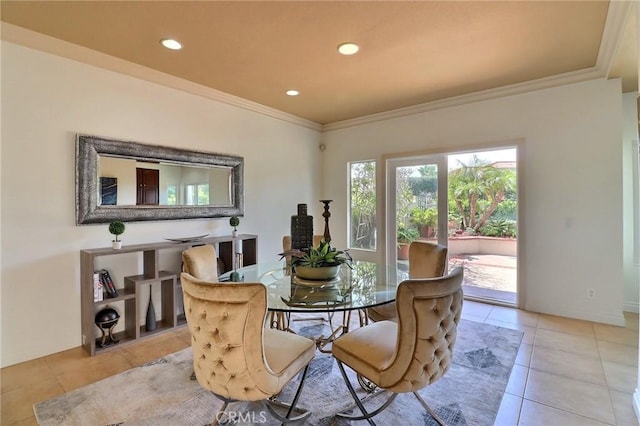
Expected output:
{"points": [[130, 181]]}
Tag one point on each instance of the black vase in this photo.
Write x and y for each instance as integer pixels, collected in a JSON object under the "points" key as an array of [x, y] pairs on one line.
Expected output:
{"points": [[151, 315], [301, 229]]}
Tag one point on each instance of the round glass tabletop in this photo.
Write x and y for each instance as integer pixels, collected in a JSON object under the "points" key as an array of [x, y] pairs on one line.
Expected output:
{"points": [[364, 285]]}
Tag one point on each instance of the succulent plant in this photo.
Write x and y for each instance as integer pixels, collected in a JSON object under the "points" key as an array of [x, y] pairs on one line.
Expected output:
{"points": [[323, 255]]}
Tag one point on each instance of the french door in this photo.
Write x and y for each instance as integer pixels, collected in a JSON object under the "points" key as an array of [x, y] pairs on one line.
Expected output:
{"points": [[416, 206]]}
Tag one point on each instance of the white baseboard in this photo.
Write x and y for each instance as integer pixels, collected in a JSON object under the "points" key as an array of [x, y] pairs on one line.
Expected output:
{"points": [[604, 318], [632, 307], [636, 403]]}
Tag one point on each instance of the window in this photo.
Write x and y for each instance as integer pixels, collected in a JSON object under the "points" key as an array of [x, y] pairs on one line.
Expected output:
{"points": [[172, 195], [362, 205], [197, 194]]}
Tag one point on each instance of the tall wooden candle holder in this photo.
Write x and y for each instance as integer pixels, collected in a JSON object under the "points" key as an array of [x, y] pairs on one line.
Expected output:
{"points": [[326, 215]]}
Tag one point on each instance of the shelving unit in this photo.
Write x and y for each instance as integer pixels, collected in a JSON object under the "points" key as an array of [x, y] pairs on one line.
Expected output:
{"points": [[227, 249], [168, 292]]}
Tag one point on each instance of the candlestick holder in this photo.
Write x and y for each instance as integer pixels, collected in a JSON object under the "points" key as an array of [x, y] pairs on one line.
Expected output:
{"points": [[326, 215]]}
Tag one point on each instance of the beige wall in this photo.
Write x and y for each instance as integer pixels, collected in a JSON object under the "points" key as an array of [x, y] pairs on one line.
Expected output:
{"points": [[46, 101], [572, 145], [570, 231], [631, 252]]}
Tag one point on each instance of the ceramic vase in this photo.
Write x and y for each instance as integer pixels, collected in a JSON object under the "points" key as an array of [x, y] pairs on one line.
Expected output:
{"points": [[150, 324], [324, 273]]}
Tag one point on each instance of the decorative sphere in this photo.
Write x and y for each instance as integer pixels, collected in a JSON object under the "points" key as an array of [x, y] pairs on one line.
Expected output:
{"points": [[107, 317]]}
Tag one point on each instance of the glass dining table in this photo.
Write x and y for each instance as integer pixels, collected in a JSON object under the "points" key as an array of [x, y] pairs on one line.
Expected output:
{"points": [[361, 286]]}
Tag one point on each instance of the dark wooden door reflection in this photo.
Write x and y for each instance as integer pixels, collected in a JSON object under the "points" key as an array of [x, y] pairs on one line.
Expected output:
{"points": [[148, 184]]}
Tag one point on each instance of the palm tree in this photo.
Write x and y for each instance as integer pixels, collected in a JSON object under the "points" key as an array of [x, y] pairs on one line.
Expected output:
{"points": [[478, 189]]}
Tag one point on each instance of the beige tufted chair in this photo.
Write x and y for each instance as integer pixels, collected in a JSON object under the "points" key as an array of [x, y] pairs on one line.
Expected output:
{"points": [[409, 354], [234, 356], [201, 262], [426, 260]]}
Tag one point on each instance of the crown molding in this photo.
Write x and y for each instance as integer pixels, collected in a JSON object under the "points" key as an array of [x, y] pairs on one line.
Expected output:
{"points": [[27, 38], [613, 30], [617, 15], [514, 89]]}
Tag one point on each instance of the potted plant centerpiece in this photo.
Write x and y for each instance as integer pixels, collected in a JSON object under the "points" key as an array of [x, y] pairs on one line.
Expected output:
{"points": [[117, 228], [318, 263]]}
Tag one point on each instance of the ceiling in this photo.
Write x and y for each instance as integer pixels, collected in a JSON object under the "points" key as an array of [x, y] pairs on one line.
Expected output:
{"points": [[411, 52]]}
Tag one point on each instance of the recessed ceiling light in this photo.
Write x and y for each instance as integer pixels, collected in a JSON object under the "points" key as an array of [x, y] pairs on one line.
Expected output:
{"points": [[292, 92], [348, 49], [170, 43]]}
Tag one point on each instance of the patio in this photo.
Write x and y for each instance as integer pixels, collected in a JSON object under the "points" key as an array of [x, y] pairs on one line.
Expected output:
{"points": [[488, 276]]}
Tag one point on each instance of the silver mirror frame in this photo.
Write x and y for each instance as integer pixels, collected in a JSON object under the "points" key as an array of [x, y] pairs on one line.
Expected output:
{"points": [[88, 211]]}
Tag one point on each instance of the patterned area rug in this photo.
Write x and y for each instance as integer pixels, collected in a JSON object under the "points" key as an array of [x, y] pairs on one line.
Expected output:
{"points": [[160, 393]]}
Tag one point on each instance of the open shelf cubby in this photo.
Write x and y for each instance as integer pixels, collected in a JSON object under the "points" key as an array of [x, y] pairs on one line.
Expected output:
{"points": [[229, 249]]}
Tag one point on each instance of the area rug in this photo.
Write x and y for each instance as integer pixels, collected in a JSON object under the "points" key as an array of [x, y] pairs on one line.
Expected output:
{"points": [[161, 393]]}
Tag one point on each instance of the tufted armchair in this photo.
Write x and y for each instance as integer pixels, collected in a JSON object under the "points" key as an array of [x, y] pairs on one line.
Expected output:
{"points": [[201, 262], [407, 355], [426, 260], [234, 356]]}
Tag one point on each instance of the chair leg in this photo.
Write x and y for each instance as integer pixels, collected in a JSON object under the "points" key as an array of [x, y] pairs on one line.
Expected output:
{"points": [[429, 410], [216, 419], [291, 407], [365, 414], [367, 385]]}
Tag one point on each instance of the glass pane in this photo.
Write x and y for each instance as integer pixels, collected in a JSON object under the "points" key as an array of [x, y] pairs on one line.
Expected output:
{"points": [[416, 206], [483, 206], [190, 195], [362, 206], [172, 195], [203, 194]]}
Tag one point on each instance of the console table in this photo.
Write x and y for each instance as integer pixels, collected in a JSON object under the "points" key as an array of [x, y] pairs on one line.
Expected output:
{"points": [[227, 248]]}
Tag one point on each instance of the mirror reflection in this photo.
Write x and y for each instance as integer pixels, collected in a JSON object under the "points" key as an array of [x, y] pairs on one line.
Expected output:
{"points": [[130, 182]]}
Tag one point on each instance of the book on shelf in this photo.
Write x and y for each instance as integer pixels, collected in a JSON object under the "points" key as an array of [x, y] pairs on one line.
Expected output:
{"points": [[97, 288], [108, 284]]}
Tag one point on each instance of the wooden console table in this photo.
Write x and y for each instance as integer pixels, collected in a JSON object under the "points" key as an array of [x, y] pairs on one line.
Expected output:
{"points": [[227, 248]]}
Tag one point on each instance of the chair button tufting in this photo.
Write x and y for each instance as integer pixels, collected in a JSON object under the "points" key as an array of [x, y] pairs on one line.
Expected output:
{"points": [[225, 315]]}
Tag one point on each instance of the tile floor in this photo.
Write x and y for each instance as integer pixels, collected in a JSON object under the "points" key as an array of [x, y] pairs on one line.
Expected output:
{"points": [[568, 372]]}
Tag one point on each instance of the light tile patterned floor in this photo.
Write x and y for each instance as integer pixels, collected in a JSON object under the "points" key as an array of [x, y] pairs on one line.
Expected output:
{"points": [[568, 372]]}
